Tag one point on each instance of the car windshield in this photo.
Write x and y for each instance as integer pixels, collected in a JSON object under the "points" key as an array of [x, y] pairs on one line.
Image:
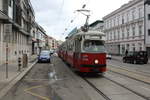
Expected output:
{"points": [[44, 54], [130, 53], [142, 53], [93, 46], [45, 51]]}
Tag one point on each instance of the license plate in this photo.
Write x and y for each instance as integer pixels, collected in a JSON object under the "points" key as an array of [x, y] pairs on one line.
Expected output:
{"points": [[44, 59]]}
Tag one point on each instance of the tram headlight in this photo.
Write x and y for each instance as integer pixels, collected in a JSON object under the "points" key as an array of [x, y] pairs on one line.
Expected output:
{"points": [[96, 61]]}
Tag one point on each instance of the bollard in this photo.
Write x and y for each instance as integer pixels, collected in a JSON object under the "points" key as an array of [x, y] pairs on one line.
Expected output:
{"points": [[19, 64], [25, 61]]}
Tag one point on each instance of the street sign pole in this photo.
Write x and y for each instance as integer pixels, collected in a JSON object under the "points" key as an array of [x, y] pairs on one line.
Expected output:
{"points": [[7, 32]]}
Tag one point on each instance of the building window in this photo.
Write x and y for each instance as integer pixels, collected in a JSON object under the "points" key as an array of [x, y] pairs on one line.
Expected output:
{"points": [[110, 23], [114, 35], [123, 19], [118, 34], [127, 17], [127, 47], [140, 12], [110, 36], [149, 32], [107, 36], [123, 49], [140, 30], [114, 21], [10, 3], [133, 31], [140, 46], [148, 16], [133, 45], [122, 33], [118, 19], [127, 32], [133, 14]]}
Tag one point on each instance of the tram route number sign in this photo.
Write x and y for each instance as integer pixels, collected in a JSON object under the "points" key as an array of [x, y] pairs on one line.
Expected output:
{"points": [[7, 31]]}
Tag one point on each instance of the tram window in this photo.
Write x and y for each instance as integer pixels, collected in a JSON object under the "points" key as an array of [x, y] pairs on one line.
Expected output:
{"points": [[93, 46], [77, 46], [70, 46]]}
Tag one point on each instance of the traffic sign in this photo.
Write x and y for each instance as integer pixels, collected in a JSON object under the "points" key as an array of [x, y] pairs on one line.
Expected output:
{"points": [[7, 31]]}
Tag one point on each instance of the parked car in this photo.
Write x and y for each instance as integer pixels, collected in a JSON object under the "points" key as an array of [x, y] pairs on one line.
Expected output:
{"points": [[44, 57], [136, 57], [45, 51]]}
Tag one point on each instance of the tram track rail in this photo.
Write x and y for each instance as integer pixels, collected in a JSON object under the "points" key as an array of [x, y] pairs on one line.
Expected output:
{"points": [[146, 98], [143, 73], [131, 77], [123, 86], [98, 90]]}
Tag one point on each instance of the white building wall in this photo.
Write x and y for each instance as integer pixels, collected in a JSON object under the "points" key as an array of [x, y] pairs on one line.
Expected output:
{"points": [[129, 16], [147, 25]]}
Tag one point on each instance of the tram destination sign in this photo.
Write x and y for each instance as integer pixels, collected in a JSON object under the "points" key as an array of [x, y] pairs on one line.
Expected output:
{"points": [[92, 37]]}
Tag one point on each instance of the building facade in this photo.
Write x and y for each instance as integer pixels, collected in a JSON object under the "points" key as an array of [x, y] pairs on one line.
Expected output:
{"points": [[126, 28], [53, 43], [20, 15], [41, 38]]}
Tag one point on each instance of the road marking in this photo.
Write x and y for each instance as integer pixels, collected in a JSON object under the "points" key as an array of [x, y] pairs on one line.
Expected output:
{"points": [[28, 90], [35, 80]]}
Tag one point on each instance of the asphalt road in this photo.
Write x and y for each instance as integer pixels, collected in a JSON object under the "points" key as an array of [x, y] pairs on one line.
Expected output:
{"points": [[44, 78], [34, 86]]}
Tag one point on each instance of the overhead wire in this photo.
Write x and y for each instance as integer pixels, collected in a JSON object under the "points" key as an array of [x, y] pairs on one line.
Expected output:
{"points": [[71, 21], [84, 5]]}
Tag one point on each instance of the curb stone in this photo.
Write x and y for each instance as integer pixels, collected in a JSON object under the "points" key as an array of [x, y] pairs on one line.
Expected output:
{"points": [[4, 91]]}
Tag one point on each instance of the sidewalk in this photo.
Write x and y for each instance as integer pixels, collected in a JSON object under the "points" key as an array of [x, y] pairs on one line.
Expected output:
{"points": [[13, 74]]}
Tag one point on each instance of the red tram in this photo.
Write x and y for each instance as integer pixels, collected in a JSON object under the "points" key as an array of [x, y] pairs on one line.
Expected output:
{"points": [[85, 52]]}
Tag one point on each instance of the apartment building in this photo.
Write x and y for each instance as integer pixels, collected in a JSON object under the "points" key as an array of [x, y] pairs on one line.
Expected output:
{"points": [[127, 28], [53, 43], [20, 15], [42, 40]]}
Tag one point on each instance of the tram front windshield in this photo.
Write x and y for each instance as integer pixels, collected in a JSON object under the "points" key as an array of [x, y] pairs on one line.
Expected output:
{"points": [[95, 46]]}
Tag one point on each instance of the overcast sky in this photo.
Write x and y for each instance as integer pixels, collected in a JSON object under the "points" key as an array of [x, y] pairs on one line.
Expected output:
{"points": [[55, 15]]}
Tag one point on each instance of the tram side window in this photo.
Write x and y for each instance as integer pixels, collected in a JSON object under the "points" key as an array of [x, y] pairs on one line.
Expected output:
{"points": [[77, 46], [70, 46]]}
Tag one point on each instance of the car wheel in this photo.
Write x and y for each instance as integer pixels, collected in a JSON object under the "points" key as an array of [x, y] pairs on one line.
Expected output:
{"points": [[145, 62], [49, 61]]}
